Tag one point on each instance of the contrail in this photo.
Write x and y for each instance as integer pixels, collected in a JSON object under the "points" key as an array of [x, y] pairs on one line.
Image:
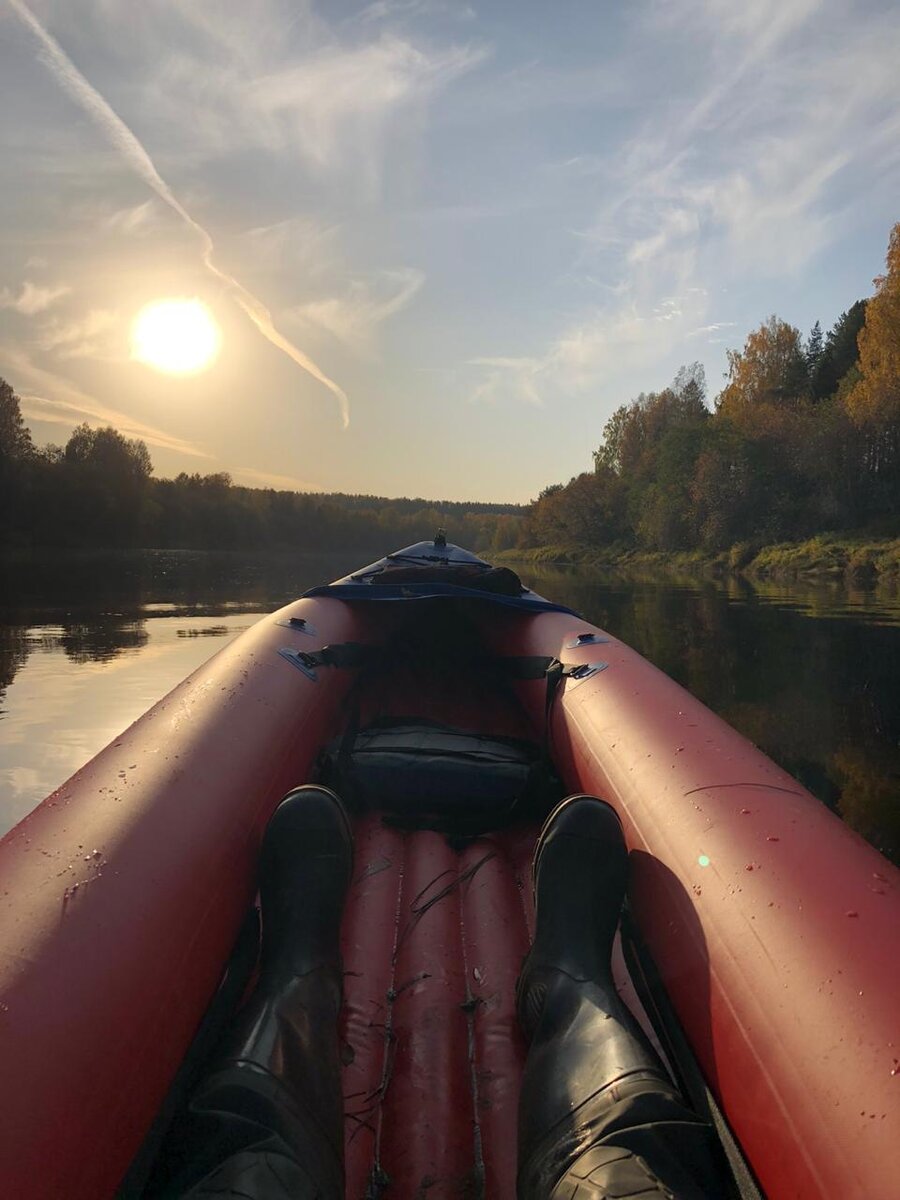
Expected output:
{"points": [[87, 97]]}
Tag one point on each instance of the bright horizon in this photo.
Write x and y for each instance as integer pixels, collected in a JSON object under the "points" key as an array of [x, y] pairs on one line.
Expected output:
{"points": [[442, 243]]}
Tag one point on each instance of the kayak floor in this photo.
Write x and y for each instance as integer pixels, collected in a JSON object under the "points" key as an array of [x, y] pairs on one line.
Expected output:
{"points": [[433, 940]]}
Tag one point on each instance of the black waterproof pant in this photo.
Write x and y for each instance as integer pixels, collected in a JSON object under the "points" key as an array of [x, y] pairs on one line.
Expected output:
{"points": [[598, 1115], [267, 1123]]}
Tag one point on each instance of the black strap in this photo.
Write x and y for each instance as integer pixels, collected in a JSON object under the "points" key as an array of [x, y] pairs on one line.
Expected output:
{"points": [[541, 666]]}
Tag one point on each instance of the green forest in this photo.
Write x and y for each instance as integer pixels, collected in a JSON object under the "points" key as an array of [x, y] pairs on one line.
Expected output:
{"points": [[804, 438]]}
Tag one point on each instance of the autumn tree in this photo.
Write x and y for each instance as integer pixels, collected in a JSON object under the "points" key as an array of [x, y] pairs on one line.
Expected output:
{"points": [[770, 370], [875, 400], [632, 435], [871, 392]]}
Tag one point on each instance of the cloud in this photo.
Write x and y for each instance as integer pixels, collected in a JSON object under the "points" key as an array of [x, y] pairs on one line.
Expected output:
{"points": [[134, 154], [90, 336], [250, 477], [713, 328], [603, 347], [354, 317], [510, 378], [333, 106], [302, 243], [136, 219], [55, 400], [390, 10], [33, 298], [752, 166]]}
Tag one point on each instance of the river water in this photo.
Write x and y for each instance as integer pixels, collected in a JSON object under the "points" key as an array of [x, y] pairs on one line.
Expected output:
{"points": [[807, 671]]}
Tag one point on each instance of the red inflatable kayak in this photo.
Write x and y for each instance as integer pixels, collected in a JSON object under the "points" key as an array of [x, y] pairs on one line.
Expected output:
{"points": [[762, 935]]}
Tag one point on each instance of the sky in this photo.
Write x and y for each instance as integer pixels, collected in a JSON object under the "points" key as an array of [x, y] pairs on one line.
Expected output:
{"points": [[443, 241]]}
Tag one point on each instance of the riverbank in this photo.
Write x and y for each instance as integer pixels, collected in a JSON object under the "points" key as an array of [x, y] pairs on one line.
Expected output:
{"points": [[856, 557]]}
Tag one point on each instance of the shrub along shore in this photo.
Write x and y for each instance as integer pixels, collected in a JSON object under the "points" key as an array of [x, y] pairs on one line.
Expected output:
{"points": [[858, 557]]}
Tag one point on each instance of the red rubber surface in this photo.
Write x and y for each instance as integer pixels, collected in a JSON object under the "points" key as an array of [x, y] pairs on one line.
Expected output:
{"points": [[775, 928], [102, 985], [433, 942]]}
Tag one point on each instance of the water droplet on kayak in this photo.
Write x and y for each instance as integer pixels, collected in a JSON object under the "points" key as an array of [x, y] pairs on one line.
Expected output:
{"points": [[772, 839], [852, 914], [745, 812]]}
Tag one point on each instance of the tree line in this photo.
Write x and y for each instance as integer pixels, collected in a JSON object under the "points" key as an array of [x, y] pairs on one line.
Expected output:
{"points": [[99, 491], [803, 438]]}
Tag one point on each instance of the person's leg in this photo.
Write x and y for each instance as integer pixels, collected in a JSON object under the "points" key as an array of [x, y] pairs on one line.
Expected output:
{"points": [[598, 1114], [267, 1121]]}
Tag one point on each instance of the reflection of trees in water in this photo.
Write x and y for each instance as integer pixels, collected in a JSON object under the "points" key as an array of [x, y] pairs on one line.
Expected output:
{"points": [[126, 581], [14, 650], [103, 640], [82, 641], [869, 801]]}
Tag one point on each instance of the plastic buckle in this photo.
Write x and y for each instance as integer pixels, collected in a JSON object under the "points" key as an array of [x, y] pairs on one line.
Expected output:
{"points": [[303, 662], [586, 670], [585, 639], [299, 623]]}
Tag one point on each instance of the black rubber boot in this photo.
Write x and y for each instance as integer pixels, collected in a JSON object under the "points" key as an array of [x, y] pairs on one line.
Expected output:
{"points": [[598, 1114], [267, 1123]]}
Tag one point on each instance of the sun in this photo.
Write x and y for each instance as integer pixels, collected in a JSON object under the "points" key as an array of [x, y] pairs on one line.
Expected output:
{"points": [[177, 336]]}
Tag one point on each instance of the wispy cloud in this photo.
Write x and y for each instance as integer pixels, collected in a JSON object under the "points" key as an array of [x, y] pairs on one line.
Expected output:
{"points": [[250, 477], [354, 317], [715, 327], [134, 154], [135, 219], [32, 298], [303, 244], [756, 168], [50, 397], [334, 106], [90, 336], [392, 10]]}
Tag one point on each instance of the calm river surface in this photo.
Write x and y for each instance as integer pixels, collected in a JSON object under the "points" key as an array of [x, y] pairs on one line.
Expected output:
{"points": [[808, 672]]}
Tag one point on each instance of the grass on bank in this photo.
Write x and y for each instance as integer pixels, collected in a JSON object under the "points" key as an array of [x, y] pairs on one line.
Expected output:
{"points": [[857, 556]]}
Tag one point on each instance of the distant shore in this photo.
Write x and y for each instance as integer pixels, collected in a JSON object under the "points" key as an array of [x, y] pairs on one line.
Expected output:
{"points": [[858, 557]]}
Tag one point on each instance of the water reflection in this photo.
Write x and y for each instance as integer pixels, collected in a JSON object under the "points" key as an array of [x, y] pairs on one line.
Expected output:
{"points": [[806, 672], [101, 641], [89, 642]]}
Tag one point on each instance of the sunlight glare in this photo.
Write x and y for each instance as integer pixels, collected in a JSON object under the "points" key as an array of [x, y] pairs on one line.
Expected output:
{"points": [[180, 337]]}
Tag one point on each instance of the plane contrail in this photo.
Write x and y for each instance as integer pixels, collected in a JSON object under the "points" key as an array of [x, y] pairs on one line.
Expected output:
{"points": [[111, 124]]}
